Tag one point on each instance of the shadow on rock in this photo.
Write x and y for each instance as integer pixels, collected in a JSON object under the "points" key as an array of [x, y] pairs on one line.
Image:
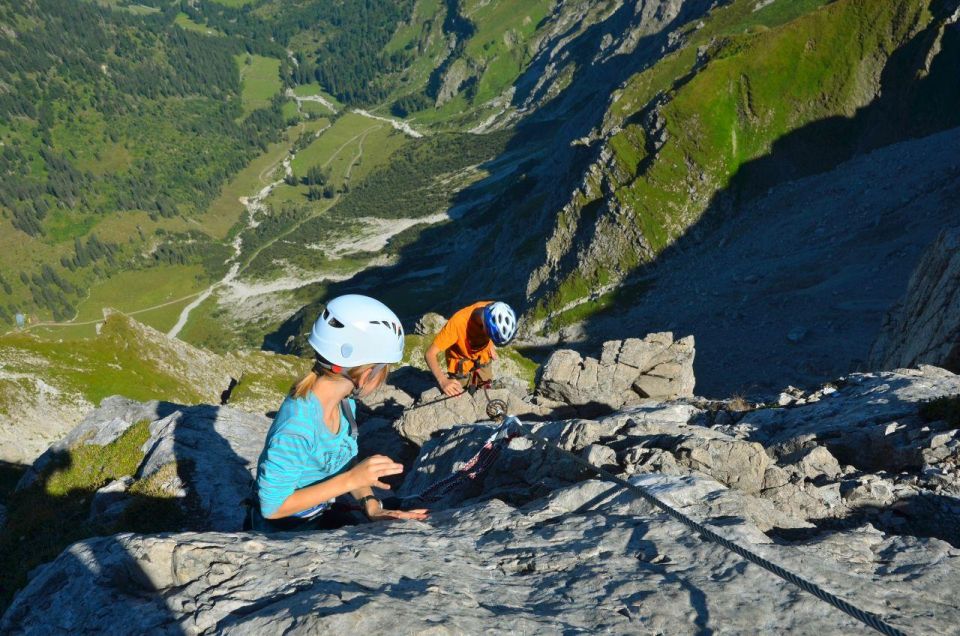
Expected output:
{"points": [[923, 515], [345, 598], [128, 467]]}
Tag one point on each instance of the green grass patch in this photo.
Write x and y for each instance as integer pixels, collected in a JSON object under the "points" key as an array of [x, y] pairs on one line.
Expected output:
{"points": [[341, 138], [504, 30], [583, 311], [250, 381], [414, 31], [155, 296], [53, 513], [290, 111], [64, 225], [414, 346], [528, 367], [183, 21], [315, 109], [116, 362], [260, 78]]}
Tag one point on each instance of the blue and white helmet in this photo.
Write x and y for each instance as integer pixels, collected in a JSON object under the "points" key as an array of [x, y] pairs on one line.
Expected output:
{"points": [[354, 330], [501, 322]]}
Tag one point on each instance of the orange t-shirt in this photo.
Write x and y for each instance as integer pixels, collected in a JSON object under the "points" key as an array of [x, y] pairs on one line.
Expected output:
{"points": [[452, 339]]}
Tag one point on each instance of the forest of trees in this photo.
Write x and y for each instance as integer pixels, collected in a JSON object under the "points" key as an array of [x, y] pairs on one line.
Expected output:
{"points": [[408, 184], [349, 63], [105, 110], [134, 72], [411, 103]]}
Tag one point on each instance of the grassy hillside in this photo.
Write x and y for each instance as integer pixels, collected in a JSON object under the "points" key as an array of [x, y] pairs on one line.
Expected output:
{"points": [[729, 112], [121, 360], [493, 42], [115, 126]]}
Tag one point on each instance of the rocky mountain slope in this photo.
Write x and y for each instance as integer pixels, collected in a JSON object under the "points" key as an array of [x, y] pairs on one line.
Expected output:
{"points": [[925, 326], [794, 288], [853, 486], [656, 137], [746, 102]]}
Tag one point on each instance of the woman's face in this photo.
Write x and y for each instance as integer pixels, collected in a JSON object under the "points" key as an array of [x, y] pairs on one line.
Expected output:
{"points": [[372, 379]]}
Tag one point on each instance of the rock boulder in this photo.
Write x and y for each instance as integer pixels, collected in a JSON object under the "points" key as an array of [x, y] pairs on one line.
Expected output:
{"points": [[206, 454], [429, 324], [432, 414], [656, 367]]}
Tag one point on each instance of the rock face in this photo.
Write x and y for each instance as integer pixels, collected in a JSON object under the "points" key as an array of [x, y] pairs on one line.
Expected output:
{"points": [[429, 324], [924, 328], [849, 260], [587, 558], [214, 451], [853, 486], [656, 367], [431, 414]]}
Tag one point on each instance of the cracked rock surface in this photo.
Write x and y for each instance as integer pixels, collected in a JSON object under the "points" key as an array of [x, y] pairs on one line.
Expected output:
{"points": [[536, 545]]}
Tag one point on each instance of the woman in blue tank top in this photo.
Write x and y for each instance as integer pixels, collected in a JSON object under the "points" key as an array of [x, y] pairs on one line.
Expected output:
{"points": [[307, 457]]}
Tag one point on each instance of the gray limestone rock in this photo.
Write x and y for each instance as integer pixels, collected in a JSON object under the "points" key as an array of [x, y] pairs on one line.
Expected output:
{"points": [[101, 426], [871, 421], [109, 502], [924, 327], [814, 463], [219, 448], [537, 525], [215, 447], [429, 324], [628, 371], [431, 413], [587, 558]]}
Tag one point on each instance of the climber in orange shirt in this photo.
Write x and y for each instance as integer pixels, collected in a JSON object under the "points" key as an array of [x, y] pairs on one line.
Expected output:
{"points": [[469, 341]]}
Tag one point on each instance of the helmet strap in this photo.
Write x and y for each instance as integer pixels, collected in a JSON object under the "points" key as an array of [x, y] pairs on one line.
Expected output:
{"points": [[320, 365]]}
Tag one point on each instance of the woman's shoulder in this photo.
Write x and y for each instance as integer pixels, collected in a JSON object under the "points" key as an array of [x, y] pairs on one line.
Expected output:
{"points": [[296, 416]]}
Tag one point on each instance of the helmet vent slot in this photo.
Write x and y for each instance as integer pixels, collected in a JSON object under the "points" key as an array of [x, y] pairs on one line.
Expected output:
{"points": [[392, 326], [336, 324]]}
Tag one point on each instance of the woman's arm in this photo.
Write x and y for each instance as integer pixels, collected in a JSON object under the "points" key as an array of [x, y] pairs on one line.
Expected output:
{"points": [[358, 479], [314, 495], [376, 512], [448, 385]]}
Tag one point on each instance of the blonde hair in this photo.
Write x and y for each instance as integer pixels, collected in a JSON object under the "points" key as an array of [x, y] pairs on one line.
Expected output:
{"points": [[304, 385]]}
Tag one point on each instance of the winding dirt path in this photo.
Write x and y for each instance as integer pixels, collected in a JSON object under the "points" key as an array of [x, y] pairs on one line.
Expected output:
{"points": [[254, 205], [126, 313]]}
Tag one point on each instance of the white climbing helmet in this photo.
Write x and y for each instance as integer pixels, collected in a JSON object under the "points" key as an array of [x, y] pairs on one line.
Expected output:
{"points": [[355, 330], [501, 322]]}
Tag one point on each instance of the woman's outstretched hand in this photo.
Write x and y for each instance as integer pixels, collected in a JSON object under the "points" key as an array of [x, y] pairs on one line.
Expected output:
{"points": [[370, 471], [419, 514]]}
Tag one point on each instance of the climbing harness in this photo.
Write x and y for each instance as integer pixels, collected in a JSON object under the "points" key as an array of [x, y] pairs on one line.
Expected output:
{"points": [[511, 427], [476, 377]]}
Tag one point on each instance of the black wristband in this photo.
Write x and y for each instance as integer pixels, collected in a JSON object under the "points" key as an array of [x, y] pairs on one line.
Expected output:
{"points": [[363, 503]]}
